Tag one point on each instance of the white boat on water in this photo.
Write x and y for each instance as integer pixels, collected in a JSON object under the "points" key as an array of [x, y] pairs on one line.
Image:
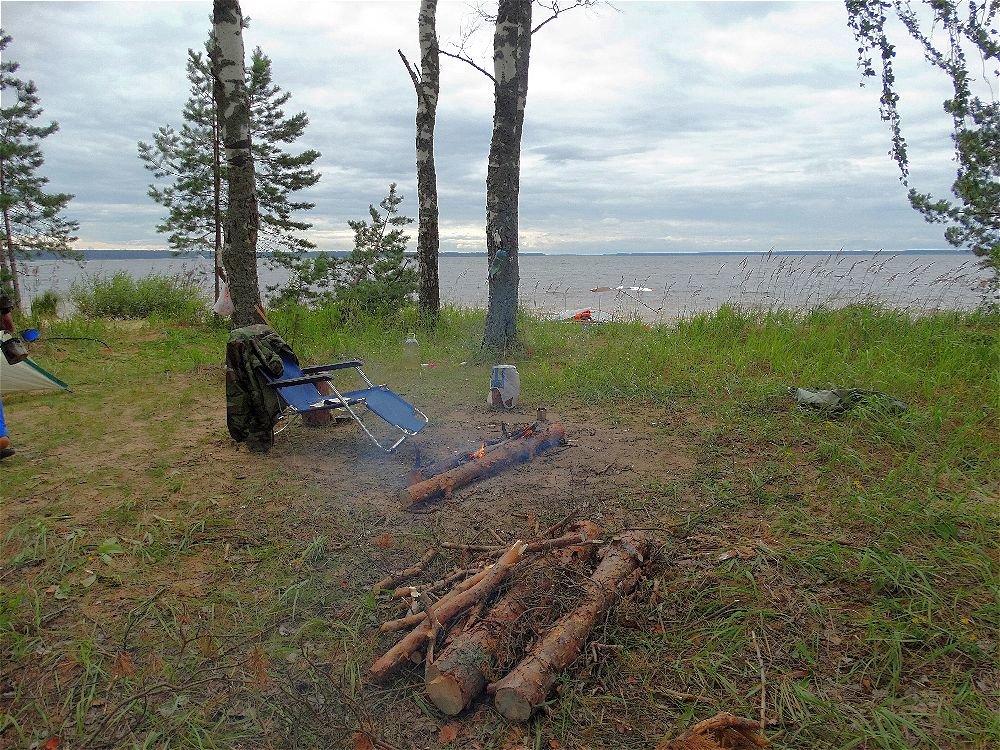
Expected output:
{"points": [[633, 289]]}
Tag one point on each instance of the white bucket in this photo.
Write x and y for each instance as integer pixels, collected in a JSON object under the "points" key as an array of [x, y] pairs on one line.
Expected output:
{"points": [[505, 387]]}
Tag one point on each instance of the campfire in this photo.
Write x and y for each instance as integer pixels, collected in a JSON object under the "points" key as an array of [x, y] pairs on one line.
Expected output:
{"points": [[441, 478]]}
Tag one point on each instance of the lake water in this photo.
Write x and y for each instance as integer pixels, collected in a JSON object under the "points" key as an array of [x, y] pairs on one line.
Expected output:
{"points": [[653, 287]]}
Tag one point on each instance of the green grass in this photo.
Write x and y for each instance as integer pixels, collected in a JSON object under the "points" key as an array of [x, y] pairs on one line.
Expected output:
{"points": [[122, 296], [872, 589]]}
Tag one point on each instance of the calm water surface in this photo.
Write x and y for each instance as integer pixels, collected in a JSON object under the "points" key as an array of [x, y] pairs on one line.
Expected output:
{"points": [[655, 288]]}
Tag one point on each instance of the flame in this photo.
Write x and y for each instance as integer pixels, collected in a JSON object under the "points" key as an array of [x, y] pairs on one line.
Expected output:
{"points": [[479, 453]]}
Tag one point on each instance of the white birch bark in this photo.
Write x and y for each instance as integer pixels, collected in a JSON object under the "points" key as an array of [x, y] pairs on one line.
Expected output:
{"points": [[427, 86], [239, 252]]}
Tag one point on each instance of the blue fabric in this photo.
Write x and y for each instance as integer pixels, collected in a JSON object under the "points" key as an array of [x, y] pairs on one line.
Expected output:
{"points": [[3, 423], [391, 407], [300, 397], [385, 403]]}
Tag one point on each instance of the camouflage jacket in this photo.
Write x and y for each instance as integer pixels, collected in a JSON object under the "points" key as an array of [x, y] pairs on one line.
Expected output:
{"points": [[251, 406]]}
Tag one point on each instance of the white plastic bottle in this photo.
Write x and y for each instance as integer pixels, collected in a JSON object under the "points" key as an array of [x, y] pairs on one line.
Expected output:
{"points": [[411, 350]]}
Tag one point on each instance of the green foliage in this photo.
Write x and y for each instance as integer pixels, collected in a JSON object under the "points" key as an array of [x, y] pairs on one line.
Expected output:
{"points": [[121, 296], [34, 216], [946, 31], [278, 173], [869, 587], [189, 161], [376, 278], [45, 305]]}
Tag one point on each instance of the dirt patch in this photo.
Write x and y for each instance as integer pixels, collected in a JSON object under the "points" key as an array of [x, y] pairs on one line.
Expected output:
{"points": [[238, 584]]}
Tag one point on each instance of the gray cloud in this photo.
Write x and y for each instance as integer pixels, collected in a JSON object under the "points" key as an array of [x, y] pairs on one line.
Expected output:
{"points": [[667, 126]]}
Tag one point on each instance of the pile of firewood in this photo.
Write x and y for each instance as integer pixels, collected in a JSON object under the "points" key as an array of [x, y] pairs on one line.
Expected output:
{"points": [[511, 619]]}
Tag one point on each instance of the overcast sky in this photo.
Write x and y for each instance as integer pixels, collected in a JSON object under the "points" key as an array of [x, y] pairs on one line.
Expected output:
{"points": [[650, 126]]}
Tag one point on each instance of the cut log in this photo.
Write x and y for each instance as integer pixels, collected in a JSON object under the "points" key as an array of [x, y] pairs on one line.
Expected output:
{"points": [[460, 672], [524, 689], [463, 596], [720, 732], [505, 454], [319, 418], [396, 578], [457, 459]]}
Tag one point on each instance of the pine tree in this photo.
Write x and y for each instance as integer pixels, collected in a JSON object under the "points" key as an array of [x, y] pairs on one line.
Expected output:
{"points": [[190, 159], [279, 173], [376, 277], [32, 218]]}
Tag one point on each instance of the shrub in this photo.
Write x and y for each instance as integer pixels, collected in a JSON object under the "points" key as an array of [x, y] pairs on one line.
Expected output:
{"points": [[376, 278], [121, 296], [45, 305]]}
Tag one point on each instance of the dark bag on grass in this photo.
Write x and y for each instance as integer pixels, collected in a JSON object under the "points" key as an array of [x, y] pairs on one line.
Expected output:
{"points": [[14, 350]]}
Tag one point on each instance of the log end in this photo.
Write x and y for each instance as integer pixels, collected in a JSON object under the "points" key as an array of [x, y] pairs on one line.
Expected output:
{"points": [[405, 499], [445, 692], [512, 705]]}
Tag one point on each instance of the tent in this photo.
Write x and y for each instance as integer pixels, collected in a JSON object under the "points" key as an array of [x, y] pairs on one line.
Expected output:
{"points": [[27, 376]]}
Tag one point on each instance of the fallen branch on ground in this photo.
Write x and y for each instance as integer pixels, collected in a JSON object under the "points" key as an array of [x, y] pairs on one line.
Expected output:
{"points": [[449, 606], [484, 628], [397, 578], [722, 732]]}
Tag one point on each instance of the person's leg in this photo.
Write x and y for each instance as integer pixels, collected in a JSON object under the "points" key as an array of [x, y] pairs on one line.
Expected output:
{"points": [[5, 449]]}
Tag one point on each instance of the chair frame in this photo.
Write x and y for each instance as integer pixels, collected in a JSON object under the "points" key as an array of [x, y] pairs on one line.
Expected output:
{"points": [[337, 400]]}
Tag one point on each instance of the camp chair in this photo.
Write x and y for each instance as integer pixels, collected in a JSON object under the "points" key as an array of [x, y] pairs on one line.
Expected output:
{"points": [[296, 388]]}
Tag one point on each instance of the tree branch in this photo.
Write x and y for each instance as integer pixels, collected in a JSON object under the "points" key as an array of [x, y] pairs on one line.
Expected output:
{"points": [[556, 10], [469, 62], [414, 76]]}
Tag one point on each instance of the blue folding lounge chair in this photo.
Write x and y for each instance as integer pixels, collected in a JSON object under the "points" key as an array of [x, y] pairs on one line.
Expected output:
{"points": [[297, 390]]}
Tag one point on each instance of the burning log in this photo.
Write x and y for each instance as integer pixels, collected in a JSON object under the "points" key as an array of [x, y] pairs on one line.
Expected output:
{"points": [[469, 592], [460, 672], [463, 457], [503, 455], [524, 689]]}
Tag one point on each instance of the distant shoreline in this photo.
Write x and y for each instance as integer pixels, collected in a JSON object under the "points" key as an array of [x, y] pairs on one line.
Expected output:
{"points": [[125, 254]]}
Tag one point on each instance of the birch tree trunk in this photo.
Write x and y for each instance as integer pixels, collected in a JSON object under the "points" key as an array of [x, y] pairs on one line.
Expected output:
{"points": [[511, 48], [217, 200], [428, 86], [239, 252]]}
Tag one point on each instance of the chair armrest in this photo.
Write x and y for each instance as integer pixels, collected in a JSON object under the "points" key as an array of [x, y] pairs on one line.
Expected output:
{"points": [[287, 382], [330, 368]]}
